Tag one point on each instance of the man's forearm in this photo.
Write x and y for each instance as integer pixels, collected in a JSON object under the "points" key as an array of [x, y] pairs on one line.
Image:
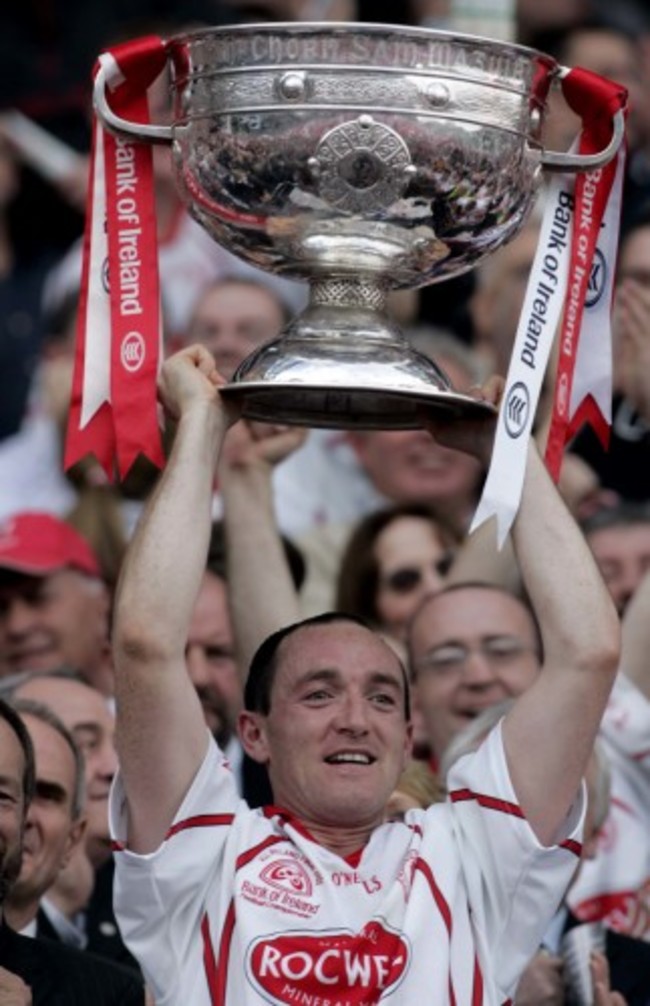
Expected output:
{"points": [[166, 558], [261, 591], [575, 613]]}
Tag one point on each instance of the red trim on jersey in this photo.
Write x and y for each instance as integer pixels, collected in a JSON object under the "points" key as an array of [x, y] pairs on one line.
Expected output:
{"points": [[443, 908], [640, 755], [477, 987], [118, 846], [572, 846], [416, 829], [287, 817], [251, 853], [354, 858], [209, 962], [217, 974], [201, 821], [488, 802], [617, 802]]}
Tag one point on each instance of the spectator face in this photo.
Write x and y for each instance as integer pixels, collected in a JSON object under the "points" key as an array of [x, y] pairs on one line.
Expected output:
{"points": [[12, 807], [233, 319], [211, 659], [50, 621], [87, 716], [335, 740], [407, 466], [51, 832], [470, 649], [623, 557], [410, 557]]}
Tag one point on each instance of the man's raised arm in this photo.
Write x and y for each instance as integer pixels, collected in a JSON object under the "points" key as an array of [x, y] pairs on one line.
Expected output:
{"points": [[161, 734], [550, 731]]}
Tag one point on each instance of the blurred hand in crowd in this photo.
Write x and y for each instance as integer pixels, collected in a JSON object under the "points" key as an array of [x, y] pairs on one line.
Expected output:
{"points": [[542, 983], [13, 991]]}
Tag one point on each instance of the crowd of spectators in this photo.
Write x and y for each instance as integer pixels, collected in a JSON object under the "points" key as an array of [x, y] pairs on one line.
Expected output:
{"points": [[373, 524]]}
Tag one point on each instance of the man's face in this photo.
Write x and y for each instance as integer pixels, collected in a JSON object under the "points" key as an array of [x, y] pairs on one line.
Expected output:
{"points": [[87, 716], [623, 557], [336, 739], [210, 659], [51, 832], [407, 466], [470, 648], [232, 320], [12, 807], [50, 621]]}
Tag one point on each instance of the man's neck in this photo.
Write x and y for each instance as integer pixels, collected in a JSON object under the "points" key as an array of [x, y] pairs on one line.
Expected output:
{"points": [[342, 841], [18, 914]]}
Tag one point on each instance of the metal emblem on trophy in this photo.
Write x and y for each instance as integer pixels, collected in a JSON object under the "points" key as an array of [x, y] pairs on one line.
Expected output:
{"points": [[360, 159]]}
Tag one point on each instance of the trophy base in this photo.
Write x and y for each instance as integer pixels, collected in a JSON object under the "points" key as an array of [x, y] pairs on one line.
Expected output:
{"points": [[349, 408], [343, 364]]}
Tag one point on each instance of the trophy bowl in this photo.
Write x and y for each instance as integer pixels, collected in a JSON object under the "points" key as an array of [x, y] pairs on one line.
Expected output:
{"points": [[362, 159]]}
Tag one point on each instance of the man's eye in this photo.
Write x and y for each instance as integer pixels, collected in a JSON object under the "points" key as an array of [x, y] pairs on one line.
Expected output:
{"points": [[317, 695], [383, 699]]}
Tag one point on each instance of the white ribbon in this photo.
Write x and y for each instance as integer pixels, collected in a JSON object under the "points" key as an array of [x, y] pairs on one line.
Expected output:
{"points": [[539, 318], [96, 387]]}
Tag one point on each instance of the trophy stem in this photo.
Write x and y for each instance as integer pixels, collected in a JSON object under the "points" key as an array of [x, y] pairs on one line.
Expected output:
{"points": [[343, 363], [349, 292]]}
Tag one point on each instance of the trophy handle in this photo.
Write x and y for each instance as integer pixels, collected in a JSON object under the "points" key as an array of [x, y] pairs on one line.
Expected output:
{"points": [[135, 130], [556, 161]]}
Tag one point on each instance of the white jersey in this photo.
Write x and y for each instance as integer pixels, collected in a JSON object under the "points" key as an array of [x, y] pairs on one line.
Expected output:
{"points": [[244, 908], [615, 886]]}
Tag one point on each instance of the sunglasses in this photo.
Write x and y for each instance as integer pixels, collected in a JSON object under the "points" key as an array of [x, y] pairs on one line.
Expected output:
{"points": [[409, 578]]}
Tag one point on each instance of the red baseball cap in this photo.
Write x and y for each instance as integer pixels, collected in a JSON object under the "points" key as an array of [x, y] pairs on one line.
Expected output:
{"points": [[39, 543]]}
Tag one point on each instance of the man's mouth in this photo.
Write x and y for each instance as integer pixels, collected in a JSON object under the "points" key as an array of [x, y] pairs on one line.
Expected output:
{"points": [[350, 758]]}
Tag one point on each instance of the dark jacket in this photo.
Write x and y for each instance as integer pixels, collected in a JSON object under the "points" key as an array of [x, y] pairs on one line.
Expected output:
{"points": [[61, 976]]}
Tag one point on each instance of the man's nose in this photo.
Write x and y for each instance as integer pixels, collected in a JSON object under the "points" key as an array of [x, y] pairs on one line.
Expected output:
{"points": [[107, 760], [197, 665], [478, 671], [353, 714]]}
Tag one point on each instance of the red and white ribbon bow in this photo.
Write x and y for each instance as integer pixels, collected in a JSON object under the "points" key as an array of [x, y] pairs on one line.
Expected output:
{"points": [[113, 412], [576, 256]]}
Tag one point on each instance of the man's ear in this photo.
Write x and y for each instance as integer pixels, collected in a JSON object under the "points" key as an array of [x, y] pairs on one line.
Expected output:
{"points": [[252, 734]]}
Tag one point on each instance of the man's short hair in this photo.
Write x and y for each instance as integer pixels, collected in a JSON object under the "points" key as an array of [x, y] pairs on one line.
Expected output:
{"points": [[11, 717], [259, 684], [39, 711], [626, 514]]}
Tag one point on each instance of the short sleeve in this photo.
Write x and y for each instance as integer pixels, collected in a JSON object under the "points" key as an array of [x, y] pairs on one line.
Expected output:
{"points": [[159, 897], [515, 884]]}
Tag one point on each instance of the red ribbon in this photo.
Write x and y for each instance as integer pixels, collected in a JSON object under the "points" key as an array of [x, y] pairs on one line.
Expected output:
{"points": [[596, 100], [126, 423]]}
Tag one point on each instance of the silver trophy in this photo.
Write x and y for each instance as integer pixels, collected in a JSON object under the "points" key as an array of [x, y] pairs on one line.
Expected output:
{"points": [[361, 158]]}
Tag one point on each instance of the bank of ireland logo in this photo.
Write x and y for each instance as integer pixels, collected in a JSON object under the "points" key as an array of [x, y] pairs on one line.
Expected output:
{"points": [[287, 875], [104, 274], [516, 409], [132, 352], [597, 279]]}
